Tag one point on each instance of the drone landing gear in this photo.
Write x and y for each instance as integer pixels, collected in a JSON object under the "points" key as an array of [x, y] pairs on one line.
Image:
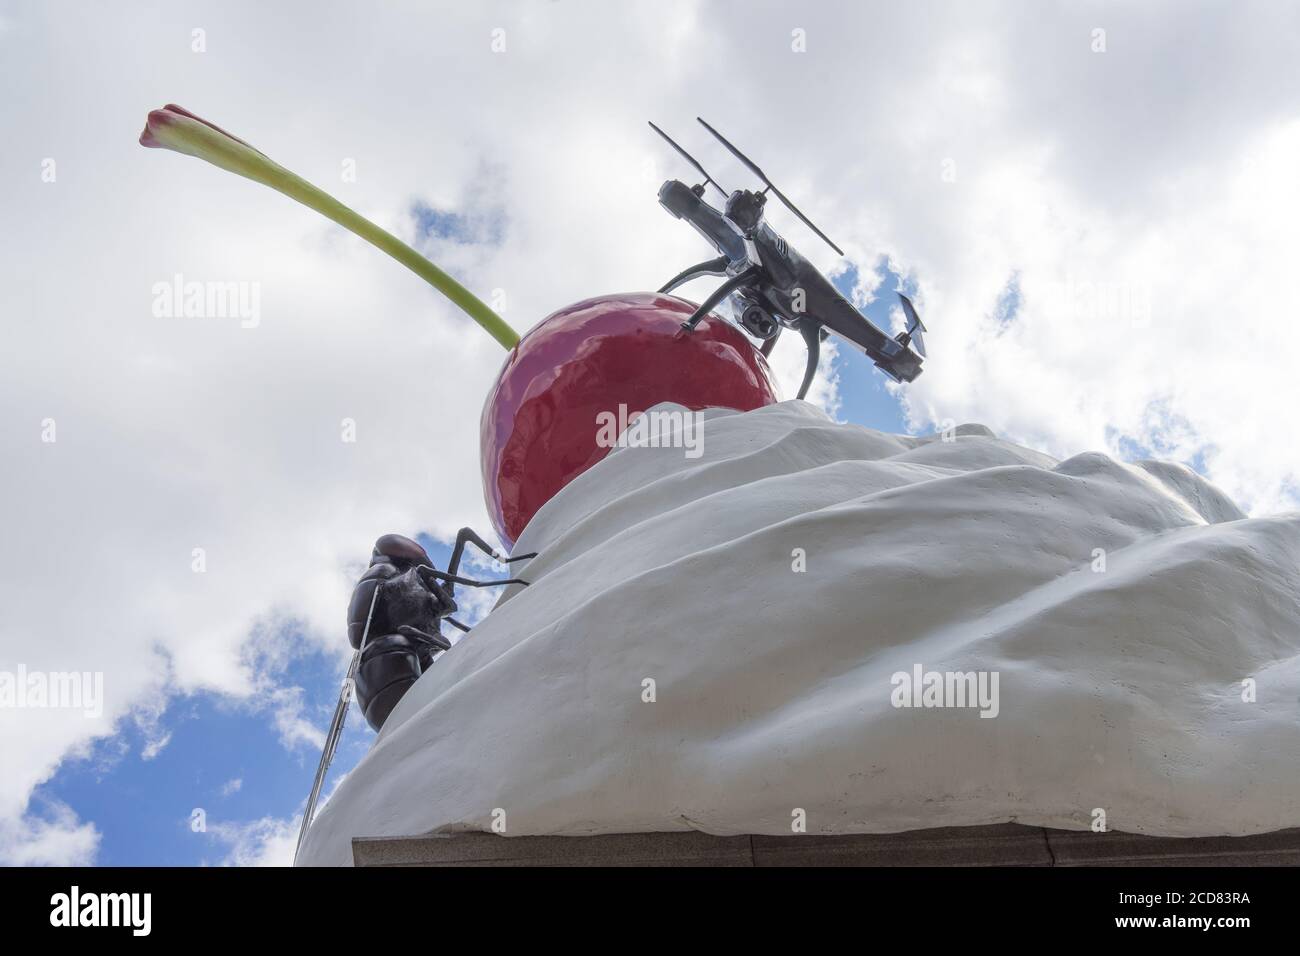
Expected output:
{"points": [[714, 267], [812, 338], [717, 295]]}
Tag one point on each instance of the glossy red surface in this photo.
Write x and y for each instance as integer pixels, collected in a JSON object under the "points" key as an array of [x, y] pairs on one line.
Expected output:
{"points": [[539, 426]]}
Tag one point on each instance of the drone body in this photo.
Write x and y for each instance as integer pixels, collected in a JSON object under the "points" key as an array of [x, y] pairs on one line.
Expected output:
{"points": [[774, 286]]}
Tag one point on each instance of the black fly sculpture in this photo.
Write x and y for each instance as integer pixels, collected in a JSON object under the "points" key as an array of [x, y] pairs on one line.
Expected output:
{"points": [[773, 285], [404, 599], [407, 618]]}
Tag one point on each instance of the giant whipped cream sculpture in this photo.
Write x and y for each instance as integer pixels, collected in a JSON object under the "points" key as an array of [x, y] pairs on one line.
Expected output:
{"points": [[765, 614], [783, 590]]}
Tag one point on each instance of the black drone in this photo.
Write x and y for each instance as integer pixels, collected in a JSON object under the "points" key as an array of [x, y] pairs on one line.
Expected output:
{"points": [[774, 286]]}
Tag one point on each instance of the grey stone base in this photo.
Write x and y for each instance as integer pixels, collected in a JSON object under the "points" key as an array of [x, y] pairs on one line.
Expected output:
{"points": [[1007, 844]]}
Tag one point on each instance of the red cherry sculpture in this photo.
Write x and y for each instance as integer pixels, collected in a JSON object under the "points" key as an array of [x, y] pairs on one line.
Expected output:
{"points": [[539, 426]]}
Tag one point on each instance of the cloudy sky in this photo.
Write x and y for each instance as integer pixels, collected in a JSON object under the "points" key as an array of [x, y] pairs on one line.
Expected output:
{"points": [[1095, 203]]}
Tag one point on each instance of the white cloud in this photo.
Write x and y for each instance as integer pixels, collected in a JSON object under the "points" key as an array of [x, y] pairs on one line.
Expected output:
{"points": [[294, 729], [232, 786], [154, 747], [1163, 167], [268, 841], [264, 842], [58, 839], [148, 717]]}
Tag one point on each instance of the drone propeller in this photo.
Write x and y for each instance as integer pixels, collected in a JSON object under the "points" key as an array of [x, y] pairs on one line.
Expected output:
{"points": [[914, 326], [759, 173], [690, 159]]}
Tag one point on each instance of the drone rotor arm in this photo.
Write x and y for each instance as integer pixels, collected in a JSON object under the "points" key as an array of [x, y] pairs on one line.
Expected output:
{"points": [[690, 159], [753, 168], [806, 221]]}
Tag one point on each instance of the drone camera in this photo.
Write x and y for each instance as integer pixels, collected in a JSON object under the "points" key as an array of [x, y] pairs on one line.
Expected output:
{"points": [[758, 322]]}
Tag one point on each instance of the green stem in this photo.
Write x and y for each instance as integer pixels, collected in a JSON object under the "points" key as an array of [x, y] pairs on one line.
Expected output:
{"points": [[295, 187]]}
